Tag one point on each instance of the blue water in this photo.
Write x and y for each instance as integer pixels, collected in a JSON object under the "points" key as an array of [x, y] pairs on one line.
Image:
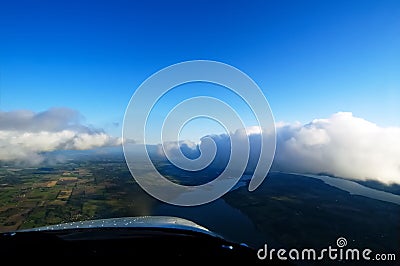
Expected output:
{"points": [[219, 217], [355, 188]]}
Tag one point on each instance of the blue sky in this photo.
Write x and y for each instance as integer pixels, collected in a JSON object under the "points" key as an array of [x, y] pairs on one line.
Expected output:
{"points": [[310, 58]]}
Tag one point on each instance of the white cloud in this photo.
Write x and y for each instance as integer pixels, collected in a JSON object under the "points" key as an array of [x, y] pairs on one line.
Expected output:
{"points": [[341, 145], [24, 135]]}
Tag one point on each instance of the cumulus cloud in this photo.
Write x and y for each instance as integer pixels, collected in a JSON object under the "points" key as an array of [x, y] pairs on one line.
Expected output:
{"points": [[342, 145], [24, 135]]}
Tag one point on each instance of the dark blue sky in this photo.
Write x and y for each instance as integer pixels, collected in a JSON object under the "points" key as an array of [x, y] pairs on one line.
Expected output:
{"points": [[311, 58]]}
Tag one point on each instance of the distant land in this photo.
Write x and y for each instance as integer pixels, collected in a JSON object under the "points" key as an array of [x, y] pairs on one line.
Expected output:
{"points": [[116, 153], [287, 210]]}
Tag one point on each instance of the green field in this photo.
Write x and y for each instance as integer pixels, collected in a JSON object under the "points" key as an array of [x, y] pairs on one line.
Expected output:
{"points": [[287, 210], [33, 197]]}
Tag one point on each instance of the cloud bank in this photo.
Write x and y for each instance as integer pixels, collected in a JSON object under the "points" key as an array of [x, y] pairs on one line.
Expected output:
{"points": [[342, 145], [24, 135]]}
